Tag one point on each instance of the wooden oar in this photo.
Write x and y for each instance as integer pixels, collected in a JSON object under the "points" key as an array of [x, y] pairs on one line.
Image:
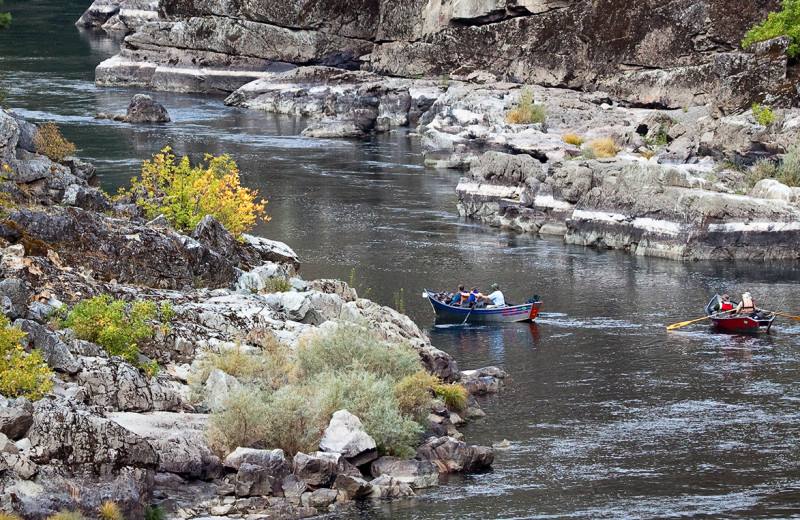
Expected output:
{"points": [[681, 324], [797, 318]]}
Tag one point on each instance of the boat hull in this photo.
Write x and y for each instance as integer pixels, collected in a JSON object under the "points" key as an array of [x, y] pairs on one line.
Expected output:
{"points": [[452, 314], [740, 324]]}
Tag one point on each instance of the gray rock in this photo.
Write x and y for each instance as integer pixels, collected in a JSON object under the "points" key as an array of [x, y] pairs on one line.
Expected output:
{"points": [[314, 470], [218, 386], [252, 480], [293, 488], [144, 109], [212, 234], [259, 472], [353, 487], [91, 199], [55, 352], [416, 473], [389, 487], [451, 455], [15, 422], [345, 434], [319, 498], [15, 296]]}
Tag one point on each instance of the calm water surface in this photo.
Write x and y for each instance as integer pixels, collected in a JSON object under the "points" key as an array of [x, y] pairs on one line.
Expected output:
{"points": [[608, 415]]}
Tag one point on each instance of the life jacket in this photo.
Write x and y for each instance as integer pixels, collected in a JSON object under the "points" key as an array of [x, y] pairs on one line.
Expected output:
{"points": [[747, 305], [726, 306], [473, 296], [462, 296]]}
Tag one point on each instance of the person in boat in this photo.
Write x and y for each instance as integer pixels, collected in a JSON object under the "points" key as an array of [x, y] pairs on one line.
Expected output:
{"points": [[747, 306], [475, 297], [498, 300], [724, 305], [460, 296]]}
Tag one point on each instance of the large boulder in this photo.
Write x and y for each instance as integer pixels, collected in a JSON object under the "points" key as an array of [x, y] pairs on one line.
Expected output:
{"points": [[14, 297], [316, 469], [54, 351], [15, 422], [416, 473], [451, 455], [259, 472], [144, 109], [345, 434]]}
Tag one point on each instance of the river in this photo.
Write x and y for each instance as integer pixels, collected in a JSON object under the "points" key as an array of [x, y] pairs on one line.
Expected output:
{"points": [[607, 414]]}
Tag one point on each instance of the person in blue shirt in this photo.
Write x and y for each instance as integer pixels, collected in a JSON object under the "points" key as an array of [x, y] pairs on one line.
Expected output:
{"points": [[460, 296]]}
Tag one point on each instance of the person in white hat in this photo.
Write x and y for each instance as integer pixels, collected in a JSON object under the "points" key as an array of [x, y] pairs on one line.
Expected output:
{"points": [[747, 305], [498, 300]]}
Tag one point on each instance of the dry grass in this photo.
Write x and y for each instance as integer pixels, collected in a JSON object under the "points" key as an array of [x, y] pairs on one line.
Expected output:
{"points": [[605, 148], [454, 396], [109, 510], [526, 112], [573, 139], [50, 142]]}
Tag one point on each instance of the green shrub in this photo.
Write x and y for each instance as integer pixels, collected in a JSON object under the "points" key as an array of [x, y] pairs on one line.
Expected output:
{"points": [[277, 284], [109, 510], [762, 169], [763, 114], [785, 22], [588, 152], [21, 373], [186, 194], [5, 20], [352, 344], [789, 169], [116, 325], [372, 399], [453, 396], [155, 513], [50, 142], [526, 112]]}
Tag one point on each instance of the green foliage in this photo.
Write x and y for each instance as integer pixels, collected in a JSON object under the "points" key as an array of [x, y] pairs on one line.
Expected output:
{"points": [[787, 171], [152, 368], [5, 22], [116, 325], [277, 284], [588, 152], [763, 114], [785, 22], [50, 142], [355, 345], [21, 373], [445, 80], [350, 368], [526, 112], [155, 513], [453, 396], [186, 194], [109, 510]]}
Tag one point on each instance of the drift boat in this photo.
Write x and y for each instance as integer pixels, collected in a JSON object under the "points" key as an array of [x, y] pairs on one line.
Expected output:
{"points": [[446, 312], [755, 322]]}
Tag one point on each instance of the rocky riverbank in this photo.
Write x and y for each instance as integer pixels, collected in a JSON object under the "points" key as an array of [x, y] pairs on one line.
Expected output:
{"points": [[678, 113], [112, 430]]}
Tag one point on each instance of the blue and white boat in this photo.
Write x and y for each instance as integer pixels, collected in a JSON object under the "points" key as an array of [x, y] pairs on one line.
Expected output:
{"points": [[446, 312]]}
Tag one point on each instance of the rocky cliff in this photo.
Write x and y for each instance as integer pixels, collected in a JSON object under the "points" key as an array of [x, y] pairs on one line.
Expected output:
{"points": [[650, 53], [111, 430]]}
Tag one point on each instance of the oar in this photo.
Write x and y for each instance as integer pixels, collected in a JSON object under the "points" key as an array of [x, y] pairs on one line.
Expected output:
{"points": [[470, 311], [797, 318], [681, 324]]}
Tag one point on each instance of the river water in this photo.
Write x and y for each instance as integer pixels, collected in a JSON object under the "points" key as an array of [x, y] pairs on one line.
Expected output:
{"points": [[607, 415]]}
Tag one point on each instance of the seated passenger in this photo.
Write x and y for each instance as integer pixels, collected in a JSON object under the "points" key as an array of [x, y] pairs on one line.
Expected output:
{"points": [[724, 305], [498, 300], [475, 296], [746, 306], [460, 296]]}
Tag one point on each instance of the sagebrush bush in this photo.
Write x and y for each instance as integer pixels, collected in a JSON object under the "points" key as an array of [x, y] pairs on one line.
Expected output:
{"points": [[786, 171], [50, 142], [353, 344], [186, 194], [604, 148], [109, 510], [372, 399], [784, 22], [526, 112], [116, 325], [762, 169], [241, 422], [414, 393], [277, 284], [588, 152], [453, 396], [573, 139], [268, 367], [21, 373]]}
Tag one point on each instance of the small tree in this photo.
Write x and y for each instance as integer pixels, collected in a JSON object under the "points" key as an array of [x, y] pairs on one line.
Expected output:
{"points": [[49, 141], [21, 373], [5, 19], [185, 194], [785, 22]]}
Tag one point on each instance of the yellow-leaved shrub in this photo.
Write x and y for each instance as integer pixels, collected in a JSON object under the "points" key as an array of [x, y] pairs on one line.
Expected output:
{"points": [[21, 373], [185, 193]]}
